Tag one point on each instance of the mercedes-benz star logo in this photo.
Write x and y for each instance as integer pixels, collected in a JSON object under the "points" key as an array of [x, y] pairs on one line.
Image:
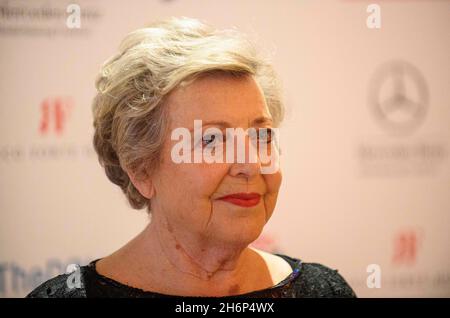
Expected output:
{"points": [[398, 97]]}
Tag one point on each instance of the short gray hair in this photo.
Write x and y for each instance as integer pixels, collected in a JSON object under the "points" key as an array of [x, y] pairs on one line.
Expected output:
{"points": [[130, 119]]}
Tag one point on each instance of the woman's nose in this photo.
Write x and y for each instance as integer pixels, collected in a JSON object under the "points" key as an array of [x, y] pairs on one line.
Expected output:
{"points": [[247, 163]]}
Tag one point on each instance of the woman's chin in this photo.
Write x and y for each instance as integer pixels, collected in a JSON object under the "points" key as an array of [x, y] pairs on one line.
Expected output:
{"points": [[242, 237]]}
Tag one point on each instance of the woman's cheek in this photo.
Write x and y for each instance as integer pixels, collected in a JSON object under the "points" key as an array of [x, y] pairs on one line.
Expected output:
{"points": [[273, 181], [208, 178]]}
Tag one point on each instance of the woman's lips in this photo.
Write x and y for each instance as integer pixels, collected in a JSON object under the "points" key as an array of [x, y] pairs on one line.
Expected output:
{"points": [[242, 199]]}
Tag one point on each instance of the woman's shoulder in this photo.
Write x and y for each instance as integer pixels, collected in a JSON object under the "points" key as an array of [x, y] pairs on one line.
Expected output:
{"points": [[69, 285], [317, 280]]}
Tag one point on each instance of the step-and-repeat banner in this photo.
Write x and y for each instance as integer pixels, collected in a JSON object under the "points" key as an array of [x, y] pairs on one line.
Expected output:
{"points": [[365, 142]]}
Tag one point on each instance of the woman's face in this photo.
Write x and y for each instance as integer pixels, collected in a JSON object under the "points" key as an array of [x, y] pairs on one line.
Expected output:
{"points": [[187, 195]]}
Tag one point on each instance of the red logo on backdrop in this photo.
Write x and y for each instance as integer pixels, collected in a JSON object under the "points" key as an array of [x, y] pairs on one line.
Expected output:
{"points": [[54, 114], [406, 244]]}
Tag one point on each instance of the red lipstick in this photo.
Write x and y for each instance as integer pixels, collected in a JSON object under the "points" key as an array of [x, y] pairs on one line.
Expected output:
{"points": [[242, 199]]}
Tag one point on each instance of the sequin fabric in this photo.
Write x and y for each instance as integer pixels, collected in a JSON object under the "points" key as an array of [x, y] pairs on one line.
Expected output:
{"points": [[307, 280]]}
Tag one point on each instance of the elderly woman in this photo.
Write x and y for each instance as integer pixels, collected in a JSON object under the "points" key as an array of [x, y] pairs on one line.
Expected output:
{"points": [[165, 80]]}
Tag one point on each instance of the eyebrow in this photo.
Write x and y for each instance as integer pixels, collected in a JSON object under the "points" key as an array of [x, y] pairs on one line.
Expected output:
{"points": [[257, 121], [262, 120]]}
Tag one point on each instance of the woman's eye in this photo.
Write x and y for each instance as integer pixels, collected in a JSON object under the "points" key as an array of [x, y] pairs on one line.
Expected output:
{"points": [[210, 140], [265, 135]]}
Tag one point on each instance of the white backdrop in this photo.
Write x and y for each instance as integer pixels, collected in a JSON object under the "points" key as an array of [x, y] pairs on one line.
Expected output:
{"points": [[365, 142]]}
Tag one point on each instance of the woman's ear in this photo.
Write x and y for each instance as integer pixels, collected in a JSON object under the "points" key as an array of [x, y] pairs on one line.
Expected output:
{"points": [[143, 185]]}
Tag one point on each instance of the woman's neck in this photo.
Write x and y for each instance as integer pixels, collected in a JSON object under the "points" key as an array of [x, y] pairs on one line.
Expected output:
{"points": [[159, 260]]}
